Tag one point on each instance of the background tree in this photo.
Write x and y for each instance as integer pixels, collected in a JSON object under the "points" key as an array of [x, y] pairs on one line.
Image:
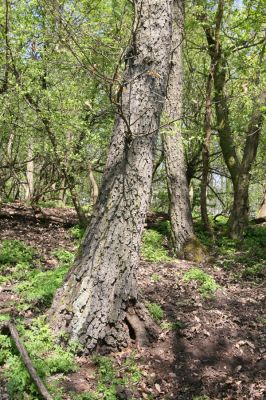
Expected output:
{"points": [[179, 203]]}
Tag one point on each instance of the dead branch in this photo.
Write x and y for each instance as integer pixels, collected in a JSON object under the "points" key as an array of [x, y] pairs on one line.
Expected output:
{"points": [[11, 327]]}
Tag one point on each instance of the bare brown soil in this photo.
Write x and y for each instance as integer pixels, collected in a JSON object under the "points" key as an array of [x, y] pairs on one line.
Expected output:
{"points": [[218, 348]]}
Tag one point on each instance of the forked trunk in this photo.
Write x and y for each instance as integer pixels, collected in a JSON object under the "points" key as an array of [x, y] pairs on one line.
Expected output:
{"points": [[93, 303]]}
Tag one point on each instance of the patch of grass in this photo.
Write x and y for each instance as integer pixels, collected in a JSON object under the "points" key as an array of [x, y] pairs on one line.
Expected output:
{"points": [[155, 278], [203, 236], [164, 228], [155, 311], [4, 317], [208, 285], [77, 232], [261, 320], [248, 257], [39, 286], [16, 260], [255, 271], [13, 252], [152, 248], [49, 204], [111, 376], [201, 398], [47, 356], [172, 325]]}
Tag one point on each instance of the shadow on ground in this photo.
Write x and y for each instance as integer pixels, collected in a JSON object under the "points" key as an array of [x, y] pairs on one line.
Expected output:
{"points": [[219, 351]]}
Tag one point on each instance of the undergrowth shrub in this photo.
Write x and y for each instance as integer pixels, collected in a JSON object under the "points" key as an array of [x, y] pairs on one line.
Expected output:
{"points": [[47, 356], [152, 248], [15, 260], [155, 311], [13, 252], [208, 285], [77, 232], [177, 325], [39, 286], [248, 257], [111, 376]]}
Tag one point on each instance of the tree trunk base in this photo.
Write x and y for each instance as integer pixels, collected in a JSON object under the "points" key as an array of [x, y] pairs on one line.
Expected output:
{"points": [[137, 329], [194, 251]]}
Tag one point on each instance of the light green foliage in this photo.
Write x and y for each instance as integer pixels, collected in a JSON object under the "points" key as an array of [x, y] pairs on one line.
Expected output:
{"points": [[77, 232], [208, 286], [248, 257], [155, 278], [39, 287], [63, 92], [172, 325], [4, 317], [152, 247], [65, 257], [15, 260], [34, 284], [110, 376], [13, 252], [47, 356], [201, 398], [254, 253], [155, 311]]}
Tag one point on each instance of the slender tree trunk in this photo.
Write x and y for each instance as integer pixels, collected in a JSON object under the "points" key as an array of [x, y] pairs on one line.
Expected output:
{"points": [[240, 211], [94, 186], [179, 202], [93, 303], [239, 169], [4, 84], [29, 186], [262, 210], [214, 49], [206, 155]]}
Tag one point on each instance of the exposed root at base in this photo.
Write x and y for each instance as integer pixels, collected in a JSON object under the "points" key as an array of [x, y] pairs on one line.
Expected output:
{"points": [[144, 328]]}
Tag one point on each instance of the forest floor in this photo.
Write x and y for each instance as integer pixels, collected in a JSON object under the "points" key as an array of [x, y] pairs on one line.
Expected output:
{"points": [[212, 341]]}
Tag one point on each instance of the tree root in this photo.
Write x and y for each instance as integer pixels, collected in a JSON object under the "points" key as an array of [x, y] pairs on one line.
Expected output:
{"points": [[11, 328], [144, 328]]}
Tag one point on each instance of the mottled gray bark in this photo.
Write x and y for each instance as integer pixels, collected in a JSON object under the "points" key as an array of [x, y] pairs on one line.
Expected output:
{"points": [[240, 211], [214, 54], [92, 305], [179, 202]]}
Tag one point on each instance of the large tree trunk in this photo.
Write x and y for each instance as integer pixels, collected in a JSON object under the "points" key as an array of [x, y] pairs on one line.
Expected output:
{"points": [[179, 207], [93, 303]]}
